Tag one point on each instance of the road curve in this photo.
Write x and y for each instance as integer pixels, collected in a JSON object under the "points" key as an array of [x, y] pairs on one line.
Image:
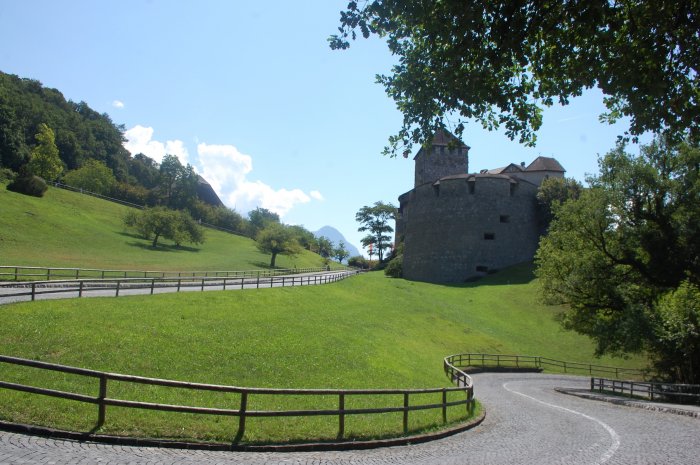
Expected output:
{"points": [[527, 422]]}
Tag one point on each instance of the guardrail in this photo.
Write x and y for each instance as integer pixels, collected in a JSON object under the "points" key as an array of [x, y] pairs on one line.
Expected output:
{"points": [[102, 401], [675, 393], [15, 272], [120, 286], [505, 361]]}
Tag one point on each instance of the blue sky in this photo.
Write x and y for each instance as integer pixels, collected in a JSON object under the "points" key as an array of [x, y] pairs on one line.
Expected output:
{"points": [[250, 94]]}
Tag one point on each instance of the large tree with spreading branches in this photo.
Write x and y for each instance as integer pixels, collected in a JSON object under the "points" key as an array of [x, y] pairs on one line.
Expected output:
{"points": [[501, 62]]}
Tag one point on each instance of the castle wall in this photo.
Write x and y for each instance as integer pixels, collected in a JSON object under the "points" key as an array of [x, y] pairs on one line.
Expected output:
{"points": [[438, 162], [465, 226]]}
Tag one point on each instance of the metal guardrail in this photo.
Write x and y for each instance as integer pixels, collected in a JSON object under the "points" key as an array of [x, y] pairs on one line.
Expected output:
{"points": [[102, 401], [674, 393], [18, 273], [82, 287]]}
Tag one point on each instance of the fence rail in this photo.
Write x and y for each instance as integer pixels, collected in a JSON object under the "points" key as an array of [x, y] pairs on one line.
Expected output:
{"points": [[102, 401], [83, 287], [476, 360], [17, 273], [676, 393]]}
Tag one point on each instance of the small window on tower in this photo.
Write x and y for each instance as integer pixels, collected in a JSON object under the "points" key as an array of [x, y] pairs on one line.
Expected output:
{"points": [[505, 219], [482, 269], [489, 236]]}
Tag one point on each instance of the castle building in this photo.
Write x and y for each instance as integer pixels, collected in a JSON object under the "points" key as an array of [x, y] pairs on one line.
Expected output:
{"points": [[456, 225]]}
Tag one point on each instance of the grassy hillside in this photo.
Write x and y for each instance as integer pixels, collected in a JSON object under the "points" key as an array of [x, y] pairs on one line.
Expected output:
{"points": [[369, 331], [68, 229]]}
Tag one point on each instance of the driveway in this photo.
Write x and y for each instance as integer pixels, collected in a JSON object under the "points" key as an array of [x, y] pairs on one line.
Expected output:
{"points": [[527, 422]]}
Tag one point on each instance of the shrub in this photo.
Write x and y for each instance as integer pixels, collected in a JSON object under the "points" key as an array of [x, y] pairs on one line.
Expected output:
{"points": [[28, 185], [93, 176], [395, 267], [6, 174]]}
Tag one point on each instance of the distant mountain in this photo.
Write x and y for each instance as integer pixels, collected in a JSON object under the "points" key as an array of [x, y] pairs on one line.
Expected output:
{"points": [[335, 237]]}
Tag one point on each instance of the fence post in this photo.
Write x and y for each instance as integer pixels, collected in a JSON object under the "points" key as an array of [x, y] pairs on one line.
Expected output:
{"points": [[33, 291], [632, 389], [592, 383], [202, 285], [178, 284], [16, 273], [257, 281], [80, 289], [241, 416], [444, 405], [117, 293], [101, 405], [153, 284], [224, 284], [48, 274], [341, 415], [405, 412], [77, 273]]}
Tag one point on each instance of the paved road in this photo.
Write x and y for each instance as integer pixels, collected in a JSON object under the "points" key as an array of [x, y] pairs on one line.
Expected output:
{"points": [[527, 423], [138, 286]]}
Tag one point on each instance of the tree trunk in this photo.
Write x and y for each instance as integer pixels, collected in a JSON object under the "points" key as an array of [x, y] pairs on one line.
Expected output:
{"points": [[272, 260], [155, 240]]}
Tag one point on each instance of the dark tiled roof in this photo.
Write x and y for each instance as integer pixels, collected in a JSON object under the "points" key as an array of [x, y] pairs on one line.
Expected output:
{"points": [[545, 164]]}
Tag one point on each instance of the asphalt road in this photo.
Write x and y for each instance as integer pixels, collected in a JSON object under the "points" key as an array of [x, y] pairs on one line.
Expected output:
{"points": [[527, 422]]}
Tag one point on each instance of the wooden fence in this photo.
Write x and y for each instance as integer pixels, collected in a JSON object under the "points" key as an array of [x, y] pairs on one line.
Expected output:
{"points": [[120, 286], [675, 393], [20, 273], [102, 401], [528, 362]]}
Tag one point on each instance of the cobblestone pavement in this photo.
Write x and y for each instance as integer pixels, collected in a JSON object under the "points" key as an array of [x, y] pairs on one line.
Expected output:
{"points": [[527, 422]]}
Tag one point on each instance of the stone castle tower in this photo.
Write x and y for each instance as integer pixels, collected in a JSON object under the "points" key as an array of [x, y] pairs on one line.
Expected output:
{"points": [[457, 226]]}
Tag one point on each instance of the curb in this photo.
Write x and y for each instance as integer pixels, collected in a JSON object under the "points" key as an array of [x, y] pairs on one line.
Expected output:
{"points": [[646, 405], [297, 447]]}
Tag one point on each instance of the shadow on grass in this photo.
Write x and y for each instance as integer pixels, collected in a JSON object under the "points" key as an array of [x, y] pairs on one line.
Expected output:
{"points": [[163, 247], [517, 274]]}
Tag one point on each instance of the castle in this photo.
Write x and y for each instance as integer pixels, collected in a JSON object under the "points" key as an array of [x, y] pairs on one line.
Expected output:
{"points": [[457, 226]]}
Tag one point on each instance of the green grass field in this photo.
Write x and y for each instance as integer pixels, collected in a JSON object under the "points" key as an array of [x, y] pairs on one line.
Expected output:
{"points": [[67, 229], [365, 332]]}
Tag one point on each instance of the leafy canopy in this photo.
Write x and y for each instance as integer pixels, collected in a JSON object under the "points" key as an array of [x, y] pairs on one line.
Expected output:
{"points": [[45, 161], [620, 255], [501, 62], [175, 225], [276, 238]]}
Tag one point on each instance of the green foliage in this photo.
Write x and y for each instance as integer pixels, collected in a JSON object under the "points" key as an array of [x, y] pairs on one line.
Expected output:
{"points": [[678, 333], [6, 174], [629, 239], [177, 183], [324, 246], [93, 176], [28, 185], [277, 239], [552, 193], [340, 253], [219, 216], [157, 222], [358, 261], [395, 267], [305, 237], [375, 220], [259, 219], [501, 62], [45, 161]]}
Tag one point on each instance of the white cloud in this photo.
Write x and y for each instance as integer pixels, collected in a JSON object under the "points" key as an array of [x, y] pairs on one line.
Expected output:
{"points": [[226, 169], [139, 139], [118, 104]]}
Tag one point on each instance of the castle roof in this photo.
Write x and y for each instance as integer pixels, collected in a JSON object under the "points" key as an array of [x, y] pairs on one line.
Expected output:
{"points": [[545, 164]]}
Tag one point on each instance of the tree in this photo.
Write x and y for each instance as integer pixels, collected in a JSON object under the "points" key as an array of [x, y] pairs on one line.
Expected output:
{"points": [[157, 222], [45, 161], [276, 239], [260, 218], [552, 193], [375, 220], [93, 176], [358, 261], [629, 240], [340, 253], [501, 62], [178, 183], [325, 246]]}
